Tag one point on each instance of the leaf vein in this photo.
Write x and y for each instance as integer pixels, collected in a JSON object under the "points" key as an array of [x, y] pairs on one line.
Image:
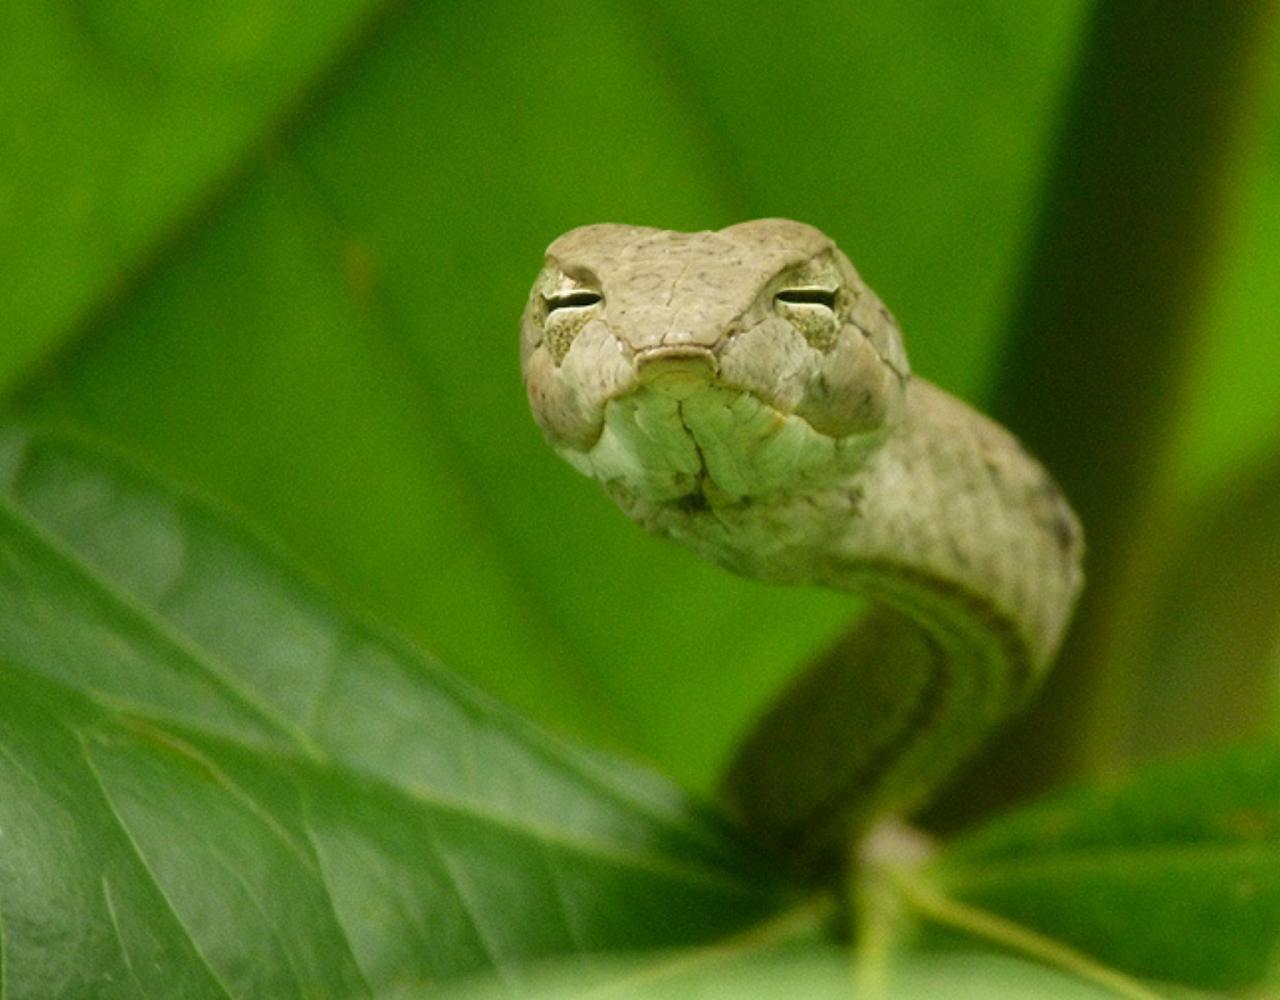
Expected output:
{"points": [[136, 849]]}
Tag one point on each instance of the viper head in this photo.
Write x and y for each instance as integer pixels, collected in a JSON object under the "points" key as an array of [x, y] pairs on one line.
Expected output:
{"points": [[724, 364]]}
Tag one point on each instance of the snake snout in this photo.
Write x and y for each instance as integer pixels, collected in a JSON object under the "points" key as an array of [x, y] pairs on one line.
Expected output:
{"points": [[676, 369]]}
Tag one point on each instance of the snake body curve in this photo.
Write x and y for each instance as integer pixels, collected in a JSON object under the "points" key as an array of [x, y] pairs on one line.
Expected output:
{"points": [[746, 394]]}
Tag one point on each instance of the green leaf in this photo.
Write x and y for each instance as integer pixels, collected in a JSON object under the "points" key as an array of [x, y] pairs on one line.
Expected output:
{"points": [[213, 781], [809, 971], [157, 107], [1172, 873], [331, 344], [1232, 413], [1210, 673]]}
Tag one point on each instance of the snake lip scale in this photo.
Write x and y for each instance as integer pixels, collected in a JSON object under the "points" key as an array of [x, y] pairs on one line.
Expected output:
{"points": [[746, 394]]}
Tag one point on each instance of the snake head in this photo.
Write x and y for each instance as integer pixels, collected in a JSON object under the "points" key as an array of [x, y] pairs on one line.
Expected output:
{"points": [[725, 364]]}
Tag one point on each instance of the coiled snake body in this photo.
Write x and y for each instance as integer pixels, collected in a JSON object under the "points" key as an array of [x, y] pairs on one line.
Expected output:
{"points": [[745, 393]]}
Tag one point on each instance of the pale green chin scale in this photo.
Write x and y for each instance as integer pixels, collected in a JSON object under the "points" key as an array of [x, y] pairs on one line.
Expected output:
{"points": [[705, 444]]}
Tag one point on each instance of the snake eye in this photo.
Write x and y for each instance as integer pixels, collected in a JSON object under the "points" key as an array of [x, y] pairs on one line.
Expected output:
{"points": [[567, 313], [580, 298], [811, 309], [808, 296]]}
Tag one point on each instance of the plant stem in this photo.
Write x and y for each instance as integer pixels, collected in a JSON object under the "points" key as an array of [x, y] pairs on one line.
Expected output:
{"points": [[980, 923], [1103, 334]]}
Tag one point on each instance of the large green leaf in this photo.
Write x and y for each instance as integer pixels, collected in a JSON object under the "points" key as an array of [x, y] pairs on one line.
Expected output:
{"points": [[119, 121], [1173, 873], [215, 782], [332, 347]]}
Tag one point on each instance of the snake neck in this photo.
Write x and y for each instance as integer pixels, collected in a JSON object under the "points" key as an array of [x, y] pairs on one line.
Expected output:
{"points": [[973, 559], [959, 528], [961, 539], [946, 518]]}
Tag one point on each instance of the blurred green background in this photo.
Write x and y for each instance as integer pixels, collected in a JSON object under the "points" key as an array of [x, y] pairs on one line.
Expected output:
{"points": [[278, 251]]}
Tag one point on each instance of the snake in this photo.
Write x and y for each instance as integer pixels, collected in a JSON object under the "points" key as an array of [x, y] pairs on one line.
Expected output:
{"points": [[744, 393]]}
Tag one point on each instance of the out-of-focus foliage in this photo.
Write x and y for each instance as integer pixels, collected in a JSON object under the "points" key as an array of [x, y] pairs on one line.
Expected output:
{"points": [[119, 123], [1232, 424]]}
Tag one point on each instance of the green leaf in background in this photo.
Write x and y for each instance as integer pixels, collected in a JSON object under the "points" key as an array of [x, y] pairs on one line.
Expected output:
{"points": [[117, 129], [1215, 644], [213, 782], [1173, 873], [331, 343], [1233, 410]]}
